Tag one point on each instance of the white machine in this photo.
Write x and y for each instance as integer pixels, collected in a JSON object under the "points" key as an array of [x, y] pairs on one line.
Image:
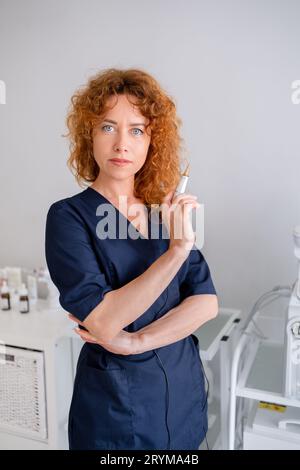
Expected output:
{"points": [[292, 338], [265, 373]]}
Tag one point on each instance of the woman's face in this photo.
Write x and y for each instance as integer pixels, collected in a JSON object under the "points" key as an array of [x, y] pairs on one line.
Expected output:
{"points": [[121, 134]]}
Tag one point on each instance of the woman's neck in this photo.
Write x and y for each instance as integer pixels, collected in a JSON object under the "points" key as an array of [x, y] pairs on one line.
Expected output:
{"points": [[113, 194]]}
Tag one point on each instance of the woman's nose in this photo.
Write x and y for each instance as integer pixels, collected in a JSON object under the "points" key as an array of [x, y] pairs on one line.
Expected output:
{"points": [[120, 143], [120, 148]]}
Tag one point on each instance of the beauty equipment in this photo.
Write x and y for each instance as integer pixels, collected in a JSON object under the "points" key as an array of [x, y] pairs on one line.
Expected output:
{"points": [[292, 333]]}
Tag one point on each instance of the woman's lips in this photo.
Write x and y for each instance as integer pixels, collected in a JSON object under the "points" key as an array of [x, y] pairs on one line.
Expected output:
{"points": [[119, 162]]}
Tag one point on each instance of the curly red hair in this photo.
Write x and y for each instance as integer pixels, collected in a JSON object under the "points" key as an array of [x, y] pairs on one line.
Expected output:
{"points": [[160, 173]]}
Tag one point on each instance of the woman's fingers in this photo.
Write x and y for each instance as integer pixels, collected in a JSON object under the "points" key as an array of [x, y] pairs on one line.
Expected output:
{"points": [[179, 201], [182, 198], [170, 198], [85, 336], [180, 227]]}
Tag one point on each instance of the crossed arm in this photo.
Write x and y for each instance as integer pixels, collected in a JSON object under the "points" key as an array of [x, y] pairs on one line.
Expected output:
{"points": [[176, 324], [120, 307]]}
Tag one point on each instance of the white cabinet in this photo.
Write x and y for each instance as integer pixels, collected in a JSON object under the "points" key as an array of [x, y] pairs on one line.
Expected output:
{"points": [[38, 354]]}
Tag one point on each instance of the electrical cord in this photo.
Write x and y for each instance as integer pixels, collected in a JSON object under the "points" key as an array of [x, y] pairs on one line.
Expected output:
{"points": [[263, 301], [167, 399]]}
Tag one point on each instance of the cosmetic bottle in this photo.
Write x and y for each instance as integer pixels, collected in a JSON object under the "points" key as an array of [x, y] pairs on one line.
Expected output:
{"points": [[32, 287], [23, 299], [5, 297], [14, 279]]}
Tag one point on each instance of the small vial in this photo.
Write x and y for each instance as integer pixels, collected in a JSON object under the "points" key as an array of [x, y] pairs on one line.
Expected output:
{"points": [[23, 299], [5, 297]]}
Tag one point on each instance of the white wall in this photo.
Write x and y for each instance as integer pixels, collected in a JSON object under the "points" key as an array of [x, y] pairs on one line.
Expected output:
{"points": [[229, 66]]}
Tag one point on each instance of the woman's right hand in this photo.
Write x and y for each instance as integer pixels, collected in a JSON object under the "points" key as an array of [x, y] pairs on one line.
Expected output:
{"points": [[176, 216]]}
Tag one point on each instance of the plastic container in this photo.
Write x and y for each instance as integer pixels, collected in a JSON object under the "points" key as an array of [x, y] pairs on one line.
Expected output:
{"points": [[32, 287]]}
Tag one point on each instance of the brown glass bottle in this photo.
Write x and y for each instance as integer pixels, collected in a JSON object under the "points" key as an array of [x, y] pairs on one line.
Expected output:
{"points": [[5, 297], [23, 300]]}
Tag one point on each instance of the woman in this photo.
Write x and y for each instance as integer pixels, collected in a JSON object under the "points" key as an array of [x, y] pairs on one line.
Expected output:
{"points": [[139, 382]]}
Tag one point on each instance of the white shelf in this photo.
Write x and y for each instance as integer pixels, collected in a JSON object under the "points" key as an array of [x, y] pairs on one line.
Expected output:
{"points": [[262, 378]]}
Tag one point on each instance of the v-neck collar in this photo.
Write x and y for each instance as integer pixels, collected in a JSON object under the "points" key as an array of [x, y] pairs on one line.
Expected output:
{"points": [[128, 221]]}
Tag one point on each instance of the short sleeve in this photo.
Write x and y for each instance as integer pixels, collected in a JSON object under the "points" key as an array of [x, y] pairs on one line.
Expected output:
{"points": [[197, 279], [72, 262]]}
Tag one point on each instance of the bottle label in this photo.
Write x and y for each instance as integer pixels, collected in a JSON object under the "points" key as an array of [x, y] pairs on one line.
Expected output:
{"points": [[23, 305], [4, 304]]}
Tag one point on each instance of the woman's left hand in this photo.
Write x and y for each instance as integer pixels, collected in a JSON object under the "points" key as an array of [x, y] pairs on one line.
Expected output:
{"points": [[123, 343]]}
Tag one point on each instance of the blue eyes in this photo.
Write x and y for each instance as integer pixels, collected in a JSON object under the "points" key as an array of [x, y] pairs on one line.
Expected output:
{"points": [[136, 128]]}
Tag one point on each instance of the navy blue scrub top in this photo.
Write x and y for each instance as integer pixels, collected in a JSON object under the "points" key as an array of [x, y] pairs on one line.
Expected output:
{"points": [[152, 400]]}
